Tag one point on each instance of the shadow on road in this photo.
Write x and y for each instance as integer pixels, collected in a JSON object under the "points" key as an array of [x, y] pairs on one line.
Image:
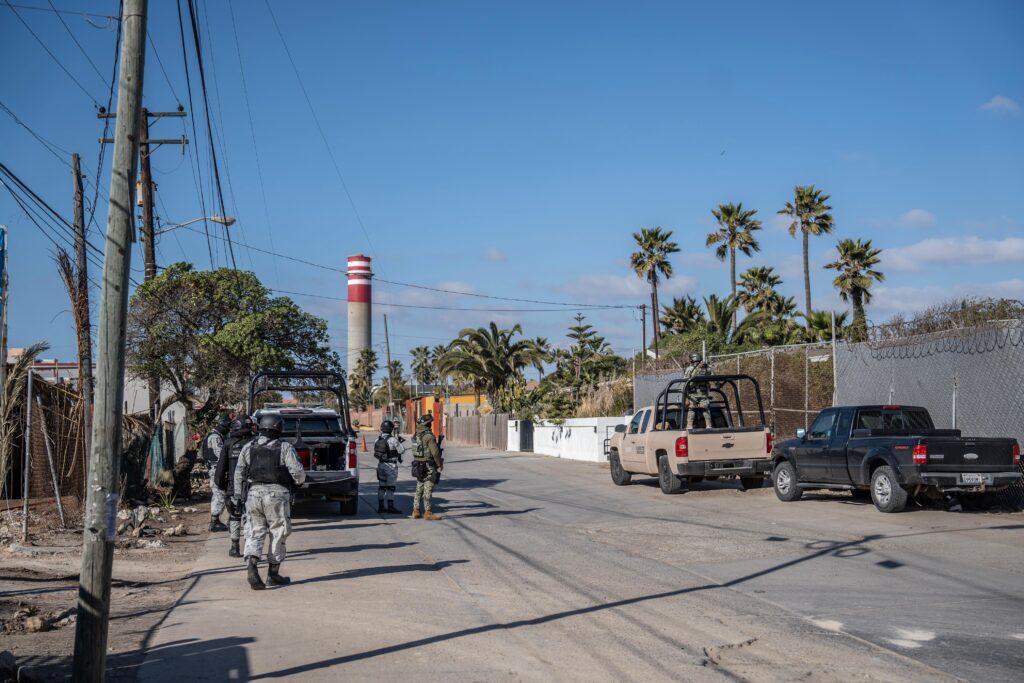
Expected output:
{"points": [[387, 569], [349, 548]]}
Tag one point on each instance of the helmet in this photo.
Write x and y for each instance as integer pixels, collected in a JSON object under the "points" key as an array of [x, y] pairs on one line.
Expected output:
{"points": [[695, 358], [427, 419], [241, 425], [223, 424], [387, 426], [271, 424]]}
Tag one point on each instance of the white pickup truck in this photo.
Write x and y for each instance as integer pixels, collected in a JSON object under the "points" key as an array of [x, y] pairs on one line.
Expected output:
{"points": [[737, 443]]}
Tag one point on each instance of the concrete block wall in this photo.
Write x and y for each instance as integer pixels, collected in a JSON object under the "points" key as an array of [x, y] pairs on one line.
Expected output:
{"points": [[580, 438]]}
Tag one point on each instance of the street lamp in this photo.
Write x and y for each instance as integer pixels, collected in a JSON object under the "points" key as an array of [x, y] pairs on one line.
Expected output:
{"points": [[226, 221]]}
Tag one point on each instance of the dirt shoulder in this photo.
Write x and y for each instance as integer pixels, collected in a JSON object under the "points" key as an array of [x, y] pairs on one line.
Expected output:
{"points": [[156, 550]]}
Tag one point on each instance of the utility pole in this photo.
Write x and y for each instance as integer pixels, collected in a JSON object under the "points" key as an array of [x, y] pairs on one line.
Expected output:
{"points": [[3, 305], [81, 304], [387, 351], [643, 327], [145, 197], [102, 491]]}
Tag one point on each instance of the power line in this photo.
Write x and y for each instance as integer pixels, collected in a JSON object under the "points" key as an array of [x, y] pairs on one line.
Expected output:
{"points": [[444, 308], [52, 56], [77, 44], [106, 123], [159, 61], [65, 11], [316, 120], [52, 147]]}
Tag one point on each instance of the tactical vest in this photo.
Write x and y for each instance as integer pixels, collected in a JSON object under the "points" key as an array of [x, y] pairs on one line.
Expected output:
{"points": [[233, 449], [421, 452], [208, 454], [264, 462], [382, 450]]}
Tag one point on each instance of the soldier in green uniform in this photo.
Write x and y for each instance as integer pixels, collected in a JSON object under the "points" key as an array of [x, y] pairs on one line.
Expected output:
{"points": [[698, 397], [426, 465]]}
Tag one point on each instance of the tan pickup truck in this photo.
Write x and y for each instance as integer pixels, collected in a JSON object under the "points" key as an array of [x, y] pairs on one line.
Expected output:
{"points": [[656, 441]]}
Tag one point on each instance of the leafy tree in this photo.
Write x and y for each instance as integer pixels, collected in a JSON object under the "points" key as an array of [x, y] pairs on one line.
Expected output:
{"points": [[541, 353], [361, 379], [422, 367], [735, 233], [757, 288], [683, 314], [436, 355], [811, 216], [202, 334], [655, 246], [856, 262], [818, 325], [488, 357], [720, 316]]}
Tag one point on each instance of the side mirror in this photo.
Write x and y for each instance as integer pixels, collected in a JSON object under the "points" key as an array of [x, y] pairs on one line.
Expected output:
{"points": [[620, 429], [801, 433]]}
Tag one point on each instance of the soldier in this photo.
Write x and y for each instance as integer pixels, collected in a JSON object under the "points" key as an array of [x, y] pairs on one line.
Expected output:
{"points": [[243, 430], [388, 450], [426, 466], [269, 467], [698, 397], [213, 447]]}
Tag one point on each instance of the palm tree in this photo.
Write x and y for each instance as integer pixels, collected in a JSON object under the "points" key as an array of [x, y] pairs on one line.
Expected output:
{"points": [[422, 368], [682, 315], [540, 353], [650, 261], [488, 357], [810, 213], [855, 264], [818, 325], [757, 288], [722, 312], [361, 377], [735, 233]]}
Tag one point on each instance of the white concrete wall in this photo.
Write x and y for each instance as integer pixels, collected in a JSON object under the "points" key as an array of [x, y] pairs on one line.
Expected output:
{"points": [[513, 436], [580, 438]]}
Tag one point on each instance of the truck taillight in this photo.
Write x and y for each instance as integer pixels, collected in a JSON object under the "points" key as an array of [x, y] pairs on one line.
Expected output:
{"points": [[682, 447], [1016, 453], [303, 454], [920, 454], [768, 443], [353, 462]]}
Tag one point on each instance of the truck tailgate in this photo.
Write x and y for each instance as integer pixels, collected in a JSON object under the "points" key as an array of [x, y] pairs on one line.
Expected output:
{"points": [[969, 455], [727, 445]]}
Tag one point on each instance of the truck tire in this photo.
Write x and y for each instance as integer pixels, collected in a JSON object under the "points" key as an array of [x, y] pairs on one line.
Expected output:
{"points": [[886, 493], [350, 507], [785, 483], [620, 477], [751, 483], [668, 481]]}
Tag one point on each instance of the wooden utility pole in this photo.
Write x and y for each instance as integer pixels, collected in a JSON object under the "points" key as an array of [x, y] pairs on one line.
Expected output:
{"points": [[643, 328], [83, 322], [387, 351], [102, 491]]}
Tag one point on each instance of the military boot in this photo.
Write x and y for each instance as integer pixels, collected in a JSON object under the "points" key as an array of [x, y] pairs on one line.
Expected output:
{"points": [[234, 552], [431, 516], [255, 582], [380, 507], [416, 514], [392, 510], [274, 577], [217, 525]]}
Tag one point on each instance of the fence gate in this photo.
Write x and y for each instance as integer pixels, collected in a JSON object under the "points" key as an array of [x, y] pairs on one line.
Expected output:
{"points": [[526, 435]]}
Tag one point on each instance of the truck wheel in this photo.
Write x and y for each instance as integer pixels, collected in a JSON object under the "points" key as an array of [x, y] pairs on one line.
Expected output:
{"points": [[349, 507], [751, 483], [886, 493], [785, 483], [620, 477], [669, 482]]}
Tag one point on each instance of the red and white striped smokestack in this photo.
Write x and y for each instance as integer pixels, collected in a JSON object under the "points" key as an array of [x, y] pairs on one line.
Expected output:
{"points": [[360, 307]]}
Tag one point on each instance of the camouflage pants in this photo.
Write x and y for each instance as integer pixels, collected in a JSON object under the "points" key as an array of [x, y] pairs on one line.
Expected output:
{"points": [[238, 524], [387, 481], [269, 511], [424, 490], [703, 404], [218, 498]]}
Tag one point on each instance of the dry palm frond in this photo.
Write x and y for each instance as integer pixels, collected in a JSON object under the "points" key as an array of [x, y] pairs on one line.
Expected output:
{"points": [[12, 398]]}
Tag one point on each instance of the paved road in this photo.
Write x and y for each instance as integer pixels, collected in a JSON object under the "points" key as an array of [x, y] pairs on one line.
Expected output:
{"points": [[542, 570]]}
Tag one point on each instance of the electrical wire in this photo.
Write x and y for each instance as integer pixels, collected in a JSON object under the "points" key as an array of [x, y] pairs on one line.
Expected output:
{"points": [[160, 62], [78, 45], [443, 308], [64, 11], [106, 124]]}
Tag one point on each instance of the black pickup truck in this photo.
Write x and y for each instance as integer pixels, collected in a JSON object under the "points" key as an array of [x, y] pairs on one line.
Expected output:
{"points": [[890, 453]]}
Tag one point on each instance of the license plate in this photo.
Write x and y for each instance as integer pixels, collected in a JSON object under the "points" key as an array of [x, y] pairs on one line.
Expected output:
{"points": [[973, 478]]}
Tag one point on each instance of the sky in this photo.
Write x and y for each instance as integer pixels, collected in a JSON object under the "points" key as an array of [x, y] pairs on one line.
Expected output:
{"points": [[512, 148]]}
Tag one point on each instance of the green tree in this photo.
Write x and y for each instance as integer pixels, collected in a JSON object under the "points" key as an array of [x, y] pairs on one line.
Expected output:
{"points": [[540, 353], [856, 267], [422, 367], [757, 288], [202, 334], [650, 261], [735, 233], [682, 315], [811, 216], [361, 379], [818, 325], [436, 355], [488, 357], [720, 316]]}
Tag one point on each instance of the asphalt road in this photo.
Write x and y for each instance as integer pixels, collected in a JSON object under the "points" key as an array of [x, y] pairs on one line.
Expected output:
{"points": [[542, 570]]}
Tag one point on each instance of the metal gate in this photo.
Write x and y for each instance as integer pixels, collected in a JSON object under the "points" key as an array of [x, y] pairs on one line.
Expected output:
{"points": [[526, 435]]}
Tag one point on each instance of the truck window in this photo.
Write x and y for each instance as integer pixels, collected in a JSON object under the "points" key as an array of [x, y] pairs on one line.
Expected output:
{"points": [[821, 429], [647, 419], [634, 424], [668, 419], [883, 420]]}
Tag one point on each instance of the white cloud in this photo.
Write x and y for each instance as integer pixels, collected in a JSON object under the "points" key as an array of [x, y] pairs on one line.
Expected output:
{"points": [[963, 250], [889, 300], [918, 218], [495, 255], [616, 289], [701, 259], [780, 223], [1001, 105]]}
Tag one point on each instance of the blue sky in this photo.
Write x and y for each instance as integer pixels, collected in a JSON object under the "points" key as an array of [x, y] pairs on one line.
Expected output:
{"points": [[512, 148]]}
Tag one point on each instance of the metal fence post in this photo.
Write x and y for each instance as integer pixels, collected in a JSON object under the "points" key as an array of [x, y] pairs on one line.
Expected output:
{"points": [[774, 419], [26, 466], [807, 385], [954, 399]]}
